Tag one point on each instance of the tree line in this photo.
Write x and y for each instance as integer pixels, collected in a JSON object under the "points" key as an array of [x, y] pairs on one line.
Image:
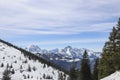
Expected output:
{"points": [[85, 72], [106, 65], [110, 61]]}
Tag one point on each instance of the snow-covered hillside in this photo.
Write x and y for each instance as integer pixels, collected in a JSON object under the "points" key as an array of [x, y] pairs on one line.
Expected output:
{"points": [[114, 76], [24, 68]]}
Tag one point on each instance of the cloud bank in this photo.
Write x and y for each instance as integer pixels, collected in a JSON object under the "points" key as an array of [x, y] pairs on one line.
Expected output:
{"points": [[26, 17], [58, 22]]}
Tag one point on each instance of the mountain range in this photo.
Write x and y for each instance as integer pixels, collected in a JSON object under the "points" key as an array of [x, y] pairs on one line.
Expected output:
{"points": [[64, 57]]}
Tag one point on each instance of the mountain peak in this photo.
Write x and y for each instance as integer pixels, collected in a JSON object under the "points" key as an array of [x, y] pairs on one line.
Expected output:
{"points": [[69, 47], [67, 51], [34, 49]]}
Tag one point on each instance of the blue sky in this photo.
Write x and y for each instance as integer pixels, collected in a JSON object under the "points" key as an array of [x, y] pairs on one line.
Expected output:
{"points": [[58, 23]]}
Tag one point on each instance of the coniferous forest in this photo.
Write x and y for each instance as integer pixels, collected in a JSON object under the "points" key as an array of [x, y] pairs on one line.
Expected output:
{"points": [[106, 65], [110, 61]]}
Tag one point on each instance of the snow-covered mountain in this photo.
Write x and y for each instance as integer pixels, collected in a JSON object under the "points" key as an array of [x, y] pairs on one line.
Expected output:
{"points": [[64, 57], [34, 49], [67, 51], [23, 66]]}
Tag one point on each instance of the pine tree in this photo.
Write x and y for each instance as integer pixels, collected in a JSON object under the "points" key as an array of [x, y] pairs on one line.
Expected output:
{"points": [[2, 65], [73, 75], [7, 65], [6, 75], [11, 66], [95, 70], [21, 67], [110, 61], [13, 71], [29, 68], [85, 67], [60, 76], [24, 76], [34, 68]]}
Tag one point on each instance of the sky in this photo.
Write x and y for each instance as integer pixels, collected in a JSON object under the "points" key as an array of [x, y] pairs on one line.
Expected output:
{"points": [[58, 23]]}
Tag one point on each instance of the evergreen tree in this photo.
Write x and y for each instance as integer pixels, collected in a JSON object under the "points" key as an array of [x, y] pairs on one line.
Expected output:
{"points": [[24, 76], [95, 70], [13, 71], [110, 61], [73, 75], [2, 65], [21, 67], [11, 66], [85, 67], [34, 68], [29, 68], [6, 75], [61, 76], [7, 65]]}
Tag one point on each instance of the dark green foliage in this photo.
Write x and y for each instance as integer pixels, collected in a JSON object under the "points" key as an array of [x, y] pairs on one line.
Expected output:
{"points": [[34, 68], [73, 72], [13, 71], [24, 76], [95, 71], [7, 65], [3, 57], [15, 61], [29, 68], [44, 65], [11, 66], [44, 76], [28, 76], [110, 61], [21, 67], [25, 61], [47, 77], [6, 75], [2, 65], [85, 68], [61, 76]]}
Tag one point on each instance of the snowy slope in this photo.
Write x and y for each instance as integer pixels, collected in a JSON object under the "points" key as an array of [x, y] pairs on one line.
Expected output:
{"points": [[10, 56], [114, 76]]}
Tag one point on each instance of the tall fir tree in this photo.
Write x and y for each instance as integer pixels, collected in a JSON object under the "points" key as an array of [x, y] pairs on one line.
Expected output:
{"points": [[85, 67], [110, 61], [95, 70]]}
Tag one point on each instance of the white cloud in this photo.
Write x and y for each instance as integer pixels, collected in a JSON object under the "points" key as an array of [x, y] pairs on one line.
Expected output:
{"points": [[56, 16], [57, 42]]}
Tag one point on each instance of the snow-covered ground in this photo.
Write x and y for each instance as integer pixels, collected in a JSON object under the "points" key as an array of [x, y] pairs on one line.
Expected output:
{"points": [[114, 76], [15, 60]]}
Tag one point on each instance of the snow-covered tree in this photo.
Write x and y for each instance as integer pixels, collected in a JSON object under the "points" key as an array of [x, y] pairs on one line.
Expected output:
{"points": [[6, 74]]}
